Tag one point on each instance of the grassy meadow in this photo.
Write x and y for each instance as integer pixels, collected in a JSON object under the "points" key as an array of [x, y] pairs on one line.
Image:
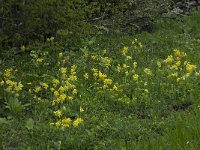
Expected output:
{"points": [[118, 92]]}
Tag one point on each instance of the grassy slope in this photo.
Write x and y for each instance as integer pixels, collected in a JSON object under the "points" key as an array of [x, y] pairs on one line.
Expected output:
{"points": [[115, 125]]}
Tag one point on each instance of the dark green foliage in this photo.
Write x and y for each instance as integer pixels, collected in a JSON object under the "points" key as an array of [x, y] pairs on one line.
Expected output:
{"points": [[23, 21]]}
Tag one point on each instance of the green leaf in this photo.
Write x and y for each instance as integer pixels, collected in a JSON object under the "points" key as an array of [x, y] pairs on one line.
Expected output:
{"points": [[29, 124], [3, 121]]}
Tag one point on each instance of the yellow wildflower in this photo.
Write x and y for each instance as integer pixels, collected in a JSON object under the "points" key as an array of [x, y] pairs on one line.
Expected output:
{"points": [[58, 113], [140, 44], [181, 79], [148, 71], [56, 93], [95, 74], [125, 66], [190, 67], [178, 63], [175, 74], [63, 70], [66, 122], [19, 87], [37, 89], [125, 50], [86, 76], [62, 97], [58, 124], [7, 73], [93, 57], [77, 122], [73, 78], [81, 109], [115, 88], [119, 68], [2, 83], [60, 55], [45, 86], [105, 61], [70, 97], [126, 73], [159, 64], [39, 60], [51, 39], [134, 64], [128, 57], [179, 54], [107, 81], [169, 59], [135, 77], [102, 76], [197, 73], [61, 89], [104, 87], [74, 91], [55, 82]]}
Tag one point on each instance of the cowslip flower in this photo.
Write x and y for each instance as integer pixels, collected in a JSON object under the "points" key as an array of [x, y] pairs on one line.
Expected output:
{"points": [[119, 68], [179, 54], [58, 113], [102, 76], [124, 50], [39, 60], [77, 122], [45, 86], [134, 64], [148, 71], [81, 109], [86, 76], [190, 67], [19, 86], [63, 70], [74, 91], [66, 122], [7, 73], [135, 77], [37, 89], [169, 59], [60, 55], [108, 81]]}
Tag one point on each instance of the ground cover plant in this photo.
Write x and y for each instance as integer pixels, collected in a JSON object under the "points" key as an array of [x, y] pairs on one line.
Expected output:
{"points": [[117, 92]]}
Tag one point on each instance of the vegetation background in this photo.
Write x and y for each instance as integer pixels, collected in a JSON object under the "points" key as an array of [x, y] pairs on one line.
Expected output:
{"points": [[99, 74]]}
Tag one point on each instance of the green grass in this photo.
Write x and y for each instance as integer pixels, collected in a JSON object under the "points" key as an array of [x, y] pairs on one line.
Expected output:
{"points": [[120, 105]]}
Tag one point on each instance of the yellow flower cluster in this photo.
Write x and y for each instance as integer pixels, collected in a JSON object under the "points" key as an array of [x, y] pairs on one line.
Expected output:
{"points": [[51, 39], [39, 60], [124, 50], [179, 54], [169, 59], [13, 86], [10, 85], [63, 123], [148, 71], [8, 73], [190, 68], [181, 71], [66, 122], [102, 76], [106, 62]]}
